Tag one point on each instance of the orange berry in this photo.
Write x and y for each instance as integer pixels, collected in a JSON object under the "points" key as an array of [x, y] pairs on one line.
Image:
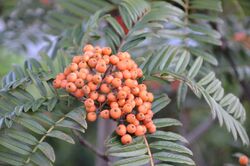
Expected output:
{"points": [[126, 74], [121, 130], [111, 97], [93, 95], [243, 160], [140, 130], [83, 65], [152, 128], [73, 67], [150, 113], [115, 113], [113, 59], [121, 102], [97, 56], [77, 59], [88, 47], [128, 63], [126, 55], [72, 77], [98, 49], [143, 109], [57, 83], [126, 89], [67, 71], [105, 88], [143, 95], [89, 102], [136, 122], [76, 72], [139, 73], [121, 65], [114, 105], [131, 97], [89, 77], [101, 67], [79, 93], [86, 71], [133, 74], [142, 87], [91, 116], [116, 82], [92, 86], [134, 65], [121, 56], [86, 89], [150, 97], [148, 105], [138, 101], [118, 74], [101, 61], [130, 118], [97, 79], [122, 94], [79, 83], [64, 83], [131, 102], [60, 76], [91, 109], [140, 116], [131, 128], [109, 79], [104, 114], [148, 124], [101, 98], [87, 56], [127, 108], [92, 62], [82, 75], [71, 87], [126, 139], [106, 59], [135, 90], [106, 51], [131, 83], [147, 119]]}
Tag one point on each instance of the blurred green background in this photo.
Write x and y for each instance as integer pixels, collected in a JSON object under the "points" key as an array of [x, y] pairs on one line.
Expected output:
{"points": [[24, 32]]}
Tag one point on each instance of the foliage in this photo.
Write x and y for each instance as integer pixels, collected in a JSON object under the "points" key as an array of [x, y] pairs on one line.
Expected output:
{"points": [[8, 58], [31, 110]]}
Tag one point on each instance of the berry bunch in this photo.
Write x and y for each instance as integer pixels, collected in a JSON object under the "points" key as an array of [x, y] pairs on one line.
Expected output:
{"points": [[107, 85]]}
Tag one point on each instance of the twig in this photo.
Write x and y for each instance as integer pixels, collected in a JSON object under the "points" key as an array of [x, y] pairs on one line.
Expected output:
{"points": [[196, 133], [149, 151], [88, 145]]}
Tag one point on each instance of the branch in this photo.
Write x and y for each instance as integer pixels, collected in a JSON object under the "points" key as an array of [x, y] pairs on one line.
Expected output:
{"points": [[88, 145], [149, 151], [196, 133]]}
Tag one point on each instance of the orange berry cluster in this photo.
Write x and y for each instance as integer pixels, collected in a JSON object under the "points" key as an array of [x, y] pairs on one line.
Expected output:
{"points": [[107, 85]]}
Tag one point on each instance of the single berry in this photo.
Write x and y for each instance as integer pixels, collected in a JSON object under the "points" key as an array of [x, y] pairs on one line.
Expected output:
{"points": [[126, 139]]}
